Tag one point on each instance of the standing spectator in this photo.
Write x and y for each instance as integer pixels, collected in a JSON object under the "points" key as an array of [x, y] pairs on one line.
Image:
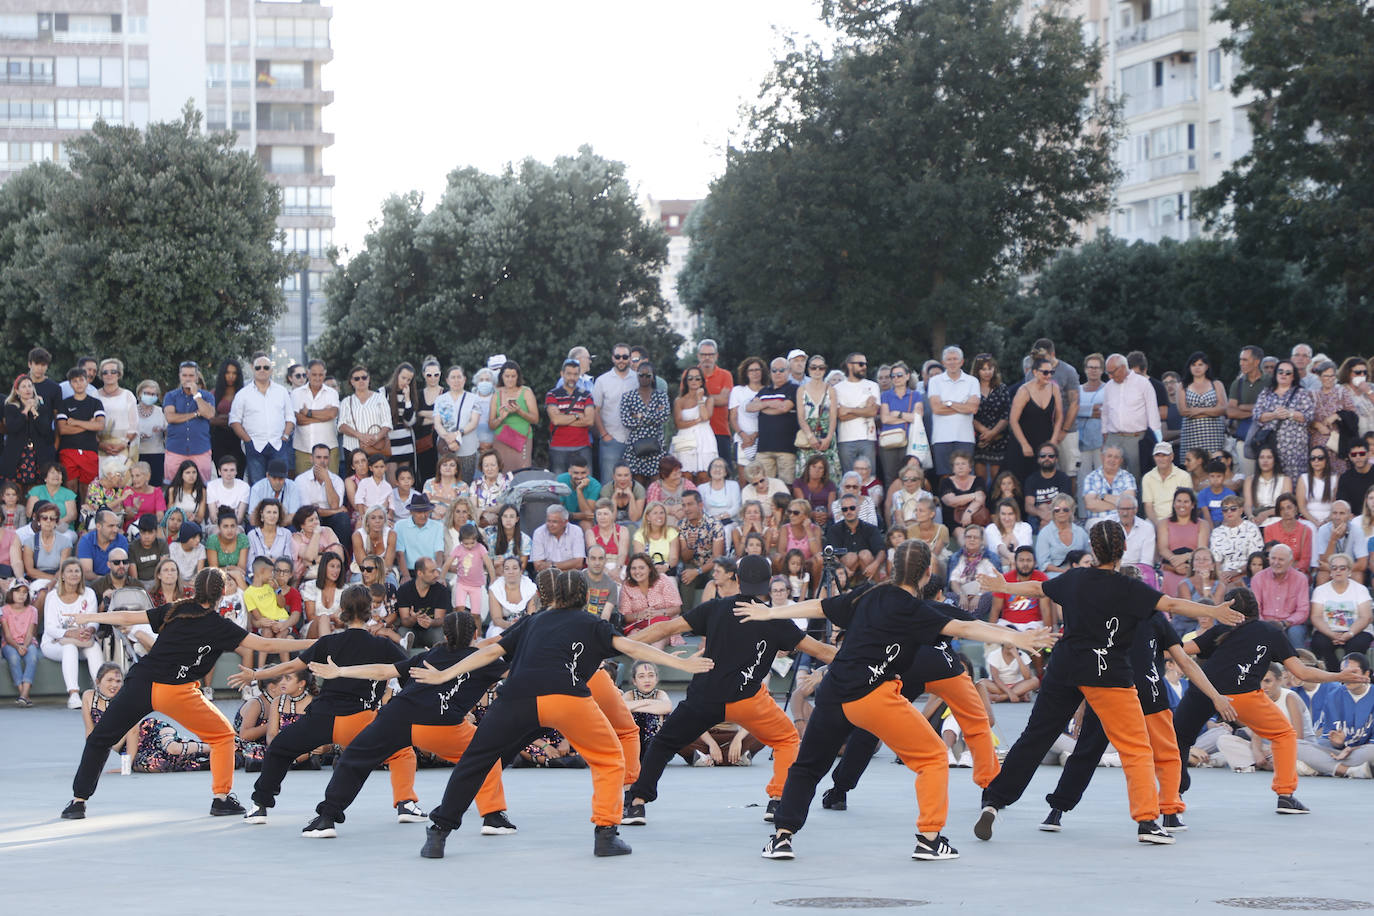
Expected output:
{"points": [[1340, 611], [63, 640], [796, 366], [572, 413], [261, 417], [223, 440], [402, 397], [120, 435], [87, 365], [856, 406], [1177, 535], [1044, 485], [190, 412], [1168, 424], [484, 387], [1088, 423], [752, 378], [426, 451], [695, 444], [457, 415], [1066, 377], [1287, 409], [28, 434], [1201, 404], [1301, 358], [1036, 417], [1245, 390], [608, 391], [1327, 402], [1354, 377], [776, 408], [1159, 484], [644, 410], [1282, 595], [954, 398], [364, 418], [322, 488], [316, 407], [901, 406], [80, 419], [275, 485], [1105, 486], [418, 537], [990, 422], [48, 389], [717, 383], [1130, 409], [152, 428], [1233, 541], [816, 416], [513, 415]]}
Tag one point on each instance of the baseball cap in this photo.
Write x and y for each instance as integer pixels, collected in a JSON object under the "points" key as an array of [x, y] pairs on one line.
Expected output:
{"points": [[754, 573], [1163, 448], [794, 353]]}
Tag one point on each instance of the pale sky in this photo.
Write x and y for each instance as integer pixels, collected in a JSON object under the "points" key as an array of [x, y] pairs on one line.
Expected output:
{"points": [[426, 86]]}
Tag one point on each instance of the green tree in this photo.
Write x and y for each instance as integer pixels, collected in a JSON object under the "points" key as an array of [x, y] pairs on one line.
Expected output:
{"points": [[884, 191], [528, 263], [1305, 192], [155, 246]]}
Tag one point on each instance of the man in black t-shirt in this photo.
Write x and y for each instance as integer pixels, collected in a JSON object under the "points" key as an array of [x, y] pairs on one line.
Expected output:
{"points": [[1044, 485], [736, 690], [862, 542], [422, 603], [776, 406], [1358, 478], [79, 419]]}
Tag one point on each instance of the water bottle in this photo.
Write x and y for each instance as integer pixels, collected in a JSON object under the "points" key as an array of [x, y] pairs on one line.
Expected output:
{"points": [[126, 765]]}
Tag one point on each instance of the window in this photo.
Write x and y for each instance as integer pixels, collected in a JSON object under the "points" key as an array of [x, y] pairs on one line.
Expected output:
{"points": [[288, 159], [214, 117], [214, 30], [18, 25], [238, 32], [138, 73], [138, 25], [138, 114], [88, 71], [112, 72], [1214, 69], [214, 74], [1214, 138], [81, 114], [242, 74], [287, 75], [26, 70], [290, 117], [241, 119], [92, 27], [66, 71]]}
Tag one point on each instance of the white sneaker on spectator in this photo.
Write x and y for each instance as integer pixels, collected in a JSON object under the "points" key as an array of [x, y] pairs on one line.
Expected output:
{"points": [[1244, 769], [1064, 757], [208, 693], [407, 641], [73, 701], [953, 761], [1111, 759], [1305, 770], [1359, 772], [965, 760], [701, 760]]}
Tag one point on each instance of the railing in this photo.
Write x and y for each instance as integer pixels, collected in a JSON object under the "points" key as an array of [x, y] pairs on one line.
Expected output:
{"points": [[1157, 97], [1162, 167], [1184, 20], [307, 211], [81, 38], [27, 79]]}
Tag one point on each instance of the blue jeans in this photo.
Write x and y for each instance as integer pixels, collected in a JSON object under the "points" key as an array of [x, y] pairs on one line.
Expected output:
{"points": [[23, 666], [560, 459], [1297, 635], [942, 452], [256, 461], [608, 455], [851, 451]]}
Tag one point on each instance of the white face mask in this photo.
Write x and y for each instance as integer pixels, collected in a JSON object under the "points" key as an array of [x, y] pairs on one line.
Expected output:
{"points": [[485, 388], [149, 399]]}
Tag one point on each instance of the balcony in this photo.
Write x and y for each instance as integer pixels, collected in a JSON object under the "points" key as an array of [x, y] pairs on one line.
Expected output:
{"points": [[1162, 167], [315, 96], [1184, 20], [1178, 230], [1176, 92], [306, 137], [307, 211], [26, 79], [87, 38]]}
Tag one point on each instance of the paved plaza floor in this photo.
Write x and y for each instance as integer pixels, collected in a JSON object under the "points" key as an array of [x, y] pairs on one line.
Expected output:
{"points": [[148, 846]]}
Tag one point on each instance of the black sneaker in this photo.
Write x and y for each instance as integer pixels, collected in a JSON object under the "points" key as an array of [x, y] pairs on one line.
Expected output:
{"points": [[435, 837], [497, 824], [1174, 824], [321, 828], [1289, 805], [1051, 822], [407, 812], [1150, 832], [982, 829], [771, 810], [634, 814], [933, 850], [834, 800], [779, 847], [257, 816], [609, 843], [74, 811], [229, 806]]}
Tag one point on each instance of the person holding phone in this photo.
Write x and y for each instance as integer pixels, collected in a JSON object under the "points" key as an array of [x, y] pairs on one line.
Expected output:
{"points": [[188, 409]]}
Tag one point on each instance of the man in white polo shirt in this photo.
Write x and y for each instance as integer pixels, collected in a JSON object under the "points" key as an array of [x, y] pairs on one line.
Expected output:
{"points": [[953, 397], [317, 417]]}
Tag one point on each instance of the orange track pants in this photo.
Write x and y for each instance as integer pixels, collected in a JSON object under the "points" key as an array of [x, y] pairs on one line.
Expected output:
{"points": [[613, 706], [583, 724], [891, 717], [400, 765], [449, 742], [965, 703]]}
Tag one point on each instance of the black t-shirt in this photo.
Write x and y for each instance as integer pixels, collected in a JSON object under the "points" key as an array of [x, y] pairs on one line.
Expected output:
{"points": [[743, 650], [947, 486], [1042, 489], [1238, 663], [51, 393], [88, 408], [1101, 612], [1153, 638], [883, 627], [438, 596], [145, 559], [778, 432], [187, 649], [444, 704], [864, 537], [555, 651], [343, 696], [936, 662], [1353, 485]]}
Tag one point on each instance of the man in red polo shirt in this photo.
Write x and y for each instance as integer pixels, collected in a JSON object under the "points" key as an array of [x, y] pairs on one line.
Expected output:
{"points": [[718, 385], [1017, 612]]}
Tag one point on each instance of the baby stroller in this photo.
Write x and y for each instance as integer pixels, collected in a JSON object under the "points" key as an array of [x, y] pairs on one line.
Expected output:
{"points": [[531, 492], [121, 647]]}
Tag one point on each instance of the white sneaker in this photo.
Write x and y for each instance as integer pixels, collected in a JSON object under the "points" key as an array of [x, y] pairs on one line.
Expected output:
{"points": [[1305, 770], [702, 760], [953, 761], [1359, 772], [1111, 759], [1064, 757], [208, 693], [407, 641], [73, 701], [965, 760], [1245, 769], [746, 759]]}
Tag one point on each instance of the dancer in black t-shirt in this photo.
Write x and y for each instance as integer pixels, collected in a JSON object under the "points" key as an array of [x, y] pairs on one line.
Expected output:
{"points": [[1102, 609], [191, 638], [552, 655]]}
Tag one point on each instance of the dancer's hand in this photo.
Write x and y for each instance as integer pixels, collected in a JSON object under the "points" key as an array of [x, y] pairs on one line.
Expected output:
{"points": [[696, 664], [428, 674], [1224, 613], [242, 677], [1224, 708], [326, 669], [1035, 640], [1353, 675], [754, 610], [992, 583]]}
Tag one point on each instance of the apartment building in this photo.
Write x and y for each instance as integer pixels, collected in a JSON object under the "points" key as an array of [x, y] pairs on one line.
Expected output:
{"points": [[672, 216], [249, 65]]}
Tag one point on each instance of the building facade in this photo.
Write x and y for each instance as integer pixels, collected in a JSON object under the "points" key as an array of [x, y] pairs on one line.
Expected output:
{"points": [[253, 67], [672, 215]]}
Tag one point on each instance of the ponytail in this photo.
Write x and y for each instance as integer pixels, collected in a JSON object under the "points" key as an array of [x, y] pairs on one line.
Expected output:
{"points": [[209, 589], [545, 584], [910, 563]]}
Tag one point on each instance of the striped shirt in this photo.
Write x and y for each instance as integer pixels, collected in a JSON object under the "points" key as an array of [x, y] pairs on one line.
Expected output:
{"points": [[363, 417]]}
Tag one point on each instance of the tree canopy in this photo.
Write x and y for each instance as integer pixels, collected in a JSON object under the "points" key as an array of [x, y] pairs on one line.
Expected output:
{"points": [[528, 263], [887, 189], [154, 246]]}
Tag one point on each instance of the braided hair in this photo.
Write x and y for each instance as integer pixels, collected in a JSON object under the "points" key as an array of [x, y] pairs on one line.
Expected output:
{"points": [[459, 630], [571, 589], [1108, 541], [209, 589], [910, 563], [544, 584]]}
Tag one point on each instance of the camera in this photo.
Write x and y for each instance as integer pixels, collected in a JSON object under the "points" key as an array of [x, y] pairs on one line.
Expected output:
{"points": [[830, 553]]}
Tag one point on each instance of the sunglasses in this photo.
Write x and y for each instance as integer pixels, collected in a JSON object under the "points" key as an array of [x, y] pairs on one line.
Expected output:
{"points": [[795, 512], [1045, 371], [431, 375], [849, 508], [47, 518], [857, 363], [1316, 458], [620, 356], [358, 378], [1050, 456], [1059, 509], [783, 369], [815, 367], [188, 364], [1359, 454], [1230, 508], [109, 371], [118, 562], [1284, 372], [368, 568], [1359, 371], [263, 368], [910, 479]]}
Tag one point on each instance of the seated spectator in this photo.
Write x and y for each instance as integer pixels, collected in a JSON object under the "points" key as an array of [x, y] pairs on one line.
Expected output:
{"points": [[1010, 679], [1282, 595], [505, 539], [613, 540], [1018, 612], [723, 745], [250, 725], [1055, 540], [146, 549], [19, 640], [1203, 583], [511, 597], [167, 587], [1297, 533], [384, 616], [627, 495], [43, 548], [752, 521], [419, 536], [187, 492], [93, 549], [962, 493], [798, 533], [489, 488], [153, 745], [648, 703], [1267, 484], [1337, 741], [227, 491], [902, 496], [372, 571], [1333, 537], [701, 544], [63, 641], [1140, 539], [965, 566], [375, 538], [1104, 486], [1184, 530], [321, 596], [814, 485], [402, 494], [1006, 532], [289, 596], [187, 551], [119, 576], [795, 573], [310, 542], [1233, 541], [107, 682], [142, 497], [446, 485], [275, 485], [648, 597], [1340, 614], [1316, 489], [322, 488], [669, 487], [270, 613], [1158, 485], [852, 484], [870, 487], [227, 546], [557, 543], [268, 538], [1045, 484], [422, 601], [54, 490], [109, 491], [720, 494]]}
